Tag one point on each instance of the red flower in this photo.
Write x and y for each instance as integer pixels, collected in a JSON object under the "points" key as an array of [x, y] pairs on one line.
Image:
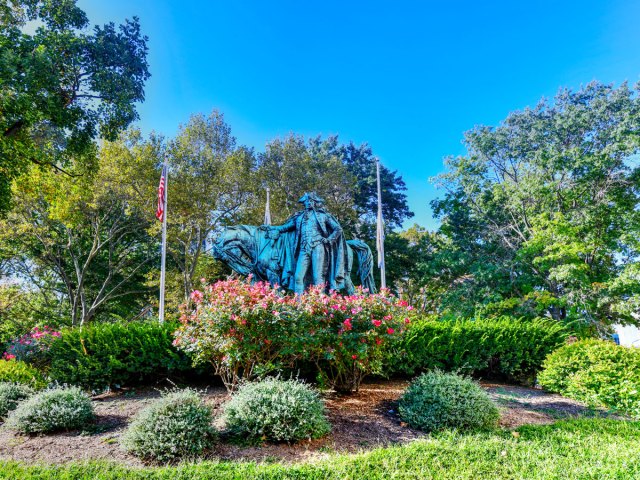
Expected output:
{"points": [[407, 321], [390, 331], [347, 324], [378, 341], [354, 356], [377, 323]]}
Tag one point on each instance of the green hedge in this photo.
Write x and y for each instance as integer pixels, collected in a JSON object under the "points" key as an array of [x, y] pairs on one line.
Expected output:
{"points": [[597, 372], [506, 347], [116, 354]]}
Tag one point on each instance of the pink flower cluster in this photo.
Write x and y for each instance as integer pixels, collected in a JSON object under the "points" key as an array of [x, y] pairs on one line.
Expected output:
{"points": [[242, 327], [31, 345]]}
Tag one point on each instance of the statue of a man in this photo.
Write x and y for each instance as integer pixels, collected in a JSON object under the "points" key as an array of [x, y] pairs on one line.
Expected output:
{"points": [[315, 251]]}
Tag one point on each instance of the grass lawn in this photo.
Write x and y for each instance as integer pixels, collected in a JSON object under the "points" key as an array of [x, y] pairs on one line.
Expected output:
{"points": [[581, 449]]}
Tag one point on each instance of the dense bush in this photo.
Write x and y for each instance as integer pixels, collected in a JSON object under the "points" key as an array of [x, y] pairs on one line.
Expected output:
{"points": [[10, 395], [276, 410], [506, 348], [52, 410], [597, 372], [438, 400], [247, 330], [178, 425], [116, 354], [15, 371]]}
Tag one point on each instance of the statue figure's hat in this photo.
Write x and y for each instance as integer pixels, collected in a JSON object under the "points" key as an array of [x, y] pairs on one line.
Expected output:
{"points": [[310, 196]]}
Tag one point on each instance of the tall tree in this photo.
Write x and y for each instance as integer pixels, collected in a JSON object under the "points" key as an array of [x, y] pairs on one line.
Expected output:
{"points": [[541, 215], [211, 184], [61, 86], [293, 165], [79, 238]]}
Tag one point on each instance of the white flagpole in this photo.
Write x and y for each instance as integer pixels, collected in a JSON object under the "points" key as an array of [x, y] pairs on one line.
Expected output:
{"points": [[380, 231], [164, 243], [267, 210]]}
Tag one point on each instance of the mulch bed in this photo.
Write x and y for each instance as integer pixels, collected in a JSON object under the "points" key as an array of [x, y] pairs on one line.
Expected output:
{"points": [[360, 421]]}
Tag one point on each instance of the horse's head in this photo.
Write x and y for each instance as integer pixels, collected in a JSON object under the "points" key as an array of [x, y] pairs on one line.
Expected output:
{"points": [[236, 246]]}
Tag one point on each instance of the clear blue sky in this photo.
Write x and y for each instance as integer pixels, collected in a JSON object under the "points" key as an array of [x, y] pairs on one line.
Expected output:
{"points": [[406, 77]]}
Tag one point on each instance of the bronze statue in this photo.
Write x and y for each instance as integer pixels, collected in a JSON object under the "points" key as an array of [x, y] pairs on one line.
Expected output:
{"points": [[308, 249]]}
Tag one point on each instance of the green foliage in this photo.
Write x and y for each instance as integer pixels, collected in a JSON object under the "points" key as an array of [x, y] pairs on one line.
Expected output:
{"points": [[89, 221], [176, 426], [63, 85], [20, 372], [597, 372], [276, 410], [566, 450], [541, 215], [504, 347], [10, 395], [437, 400], [116, 354], [62, 408]]}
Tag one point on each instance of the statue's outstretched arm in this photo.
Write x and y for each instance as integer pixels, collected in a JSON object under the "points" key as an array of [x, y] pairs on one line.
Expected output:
{"points": [[287, 226]]}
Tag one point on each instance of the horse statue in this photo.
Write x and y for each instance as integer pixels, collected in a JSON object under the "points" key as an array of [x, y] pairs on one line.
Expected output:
{"points": [[252, 250]]}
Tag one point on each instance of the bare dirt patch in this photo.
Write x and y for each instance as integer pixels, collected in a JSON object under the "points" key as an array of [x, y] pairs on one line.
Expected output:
{"points": [[365, 420]]}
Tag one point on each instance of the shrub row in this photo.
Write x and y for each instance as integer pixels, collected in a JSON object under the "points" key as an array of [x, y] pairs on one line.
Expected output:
{"points": [[597, 372], [116, 354], [505, 348], [180, 425]]}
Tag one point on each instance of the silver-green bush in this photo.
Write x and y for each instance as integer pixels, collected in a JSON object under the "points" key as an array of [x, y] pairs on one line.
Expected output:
{"points": [[11, 394], [51, 410], [177, 425], [438, 400], [276, 410]]}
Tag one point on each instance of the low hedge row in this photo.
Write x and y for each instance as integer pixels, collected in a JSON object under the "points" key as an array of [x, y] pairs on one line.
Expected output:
{"points": [[597, 372], [119, 354], [116, 354], [505, 348]]}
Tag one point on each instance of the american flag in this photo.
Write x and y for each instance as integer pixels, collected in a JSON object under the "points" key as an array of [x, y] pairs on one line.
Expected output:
{"points": [[161, 195]]}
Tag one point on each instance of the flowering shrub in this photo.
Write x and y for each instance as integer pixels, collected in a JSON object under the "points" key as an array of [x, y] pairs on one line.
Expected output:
{"points": [[247, 330], [347, 335], [243, 330], [32, 346]]}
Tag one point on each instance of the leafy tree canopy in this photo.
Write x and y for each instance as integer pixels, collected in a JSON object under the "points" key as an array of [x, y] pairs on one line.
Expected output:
{"points": [[541, 216], [63, 85]]}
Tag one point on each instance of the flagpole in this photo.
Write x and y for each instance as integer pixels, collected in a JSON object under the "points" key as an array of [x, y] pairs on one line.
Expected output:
{"points": [[267, 210], [164, 243], [380, 231]]}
